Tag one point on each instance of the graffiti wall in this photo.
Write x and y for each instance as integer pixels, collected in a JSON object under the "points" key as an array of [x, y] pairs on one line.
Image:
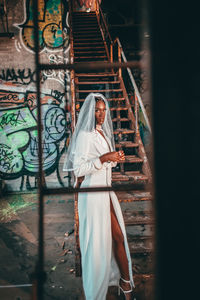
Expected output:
{"points": [[18, 103]]}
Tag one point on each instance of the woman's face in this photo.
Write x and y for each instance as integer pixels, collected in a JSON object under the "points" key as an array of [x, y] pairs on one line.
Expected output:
{"points": [[100, 112]]}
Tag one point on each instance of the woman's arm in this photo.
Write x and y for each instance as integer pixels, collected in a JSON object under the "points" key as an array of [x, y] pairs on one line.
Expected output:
{"points": [[83, 166]]}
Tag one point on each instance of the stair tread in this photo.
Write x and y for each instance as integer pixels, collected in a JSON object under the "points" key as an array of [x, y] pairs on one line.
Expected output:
{"points": [[132, 159], [85, 52], [84, 35], [89, 39], [88, 43], [120, 119], [81, 28], [97, 82], [108, 99], [95, 75], [99, 91], [123, 130], [133, 196], [138, 217], [136, 174], [126, 144], [93, 48], [118, 108], [99, 56]]}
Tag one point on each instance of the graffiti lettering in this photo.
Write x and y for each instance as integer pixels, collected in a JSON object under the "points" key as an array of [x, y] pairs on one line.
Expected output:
{"points": [[20, 76], [61, 76], [57, 95], [13, 119], [9, 97], [6, 158]]}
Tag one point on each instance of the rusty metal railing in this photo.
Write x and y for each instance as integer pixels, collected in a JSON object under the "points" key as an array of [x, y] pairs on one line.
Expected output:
{"points": [[108, 42], [137, 97]]}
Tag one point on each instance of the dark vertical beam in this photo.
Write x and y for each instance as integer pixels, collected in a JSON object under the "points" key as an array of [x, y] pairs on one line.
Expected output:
{"points": [[176, 115], [40, 275]]}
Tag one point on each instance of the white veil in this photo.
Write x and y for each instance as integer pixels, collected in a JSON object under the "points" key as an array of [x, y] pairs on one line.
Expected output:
{"points": [[86, 122]]}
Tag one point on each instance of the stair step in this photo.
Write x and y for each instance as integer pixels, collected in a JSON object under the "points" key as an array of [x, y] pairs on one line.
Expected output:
{"points": [[85, 32], [91, 57], [97, 82], [129, 176], [120, 119], [83, 13], [81, 28], [89, 52], [140, 244], [123, 131], [132, 159], [85, 22], [78, 35], [118, 108], [126, 144], [99, 91], [93, 48], [108, 99], [138, 218], [95, 74], [132, 196], [85, 39], [90, 43]]}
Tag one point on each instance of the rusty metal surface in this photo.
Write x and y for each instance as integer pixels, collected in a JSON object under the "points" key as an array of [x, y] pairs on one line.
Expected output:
{"points": [[90, 66]]}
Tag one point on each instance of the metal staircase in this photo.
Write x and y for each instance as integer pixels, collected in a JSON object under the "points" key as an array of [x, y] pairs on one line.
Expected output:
{"points": [[91, 42]]}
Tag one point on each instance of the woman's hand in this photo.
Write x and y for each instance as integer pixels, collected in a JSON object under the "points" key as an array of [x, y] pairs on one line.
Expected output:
{"points": [[115, 156]]}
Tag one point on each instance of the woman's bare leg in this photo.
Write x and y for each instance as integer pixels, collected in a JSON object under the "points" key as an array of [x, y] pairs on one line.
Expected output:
{"points": [[119, 250]]}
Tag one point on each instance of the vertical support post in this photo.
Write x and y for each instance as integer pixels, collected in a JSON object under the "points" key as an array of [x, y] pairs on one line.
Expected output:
{"points": [[136, 114], [120, 60], [97, 7], [111, 52], [73, 105]]}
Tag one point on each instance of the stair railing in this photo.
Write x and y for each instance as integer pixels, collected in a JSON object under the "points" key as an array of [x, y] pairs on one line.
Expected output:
{"points": [[108, 42], [138, 100]]}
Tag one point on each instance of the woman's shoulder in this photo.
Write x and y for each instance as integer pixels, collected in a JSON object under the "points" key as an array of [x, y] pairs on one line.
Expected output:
{"points": [[85, 134]]}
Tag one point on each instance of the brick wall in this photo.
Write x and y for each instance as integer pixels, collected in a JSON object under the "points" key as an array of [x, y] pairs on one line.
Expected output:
{"points": [[18, 109]]}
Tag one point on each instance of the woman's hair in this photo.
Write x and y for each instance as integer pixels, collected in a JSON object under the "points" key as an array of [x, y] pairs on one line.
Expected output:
{"points": [[97, 99]]}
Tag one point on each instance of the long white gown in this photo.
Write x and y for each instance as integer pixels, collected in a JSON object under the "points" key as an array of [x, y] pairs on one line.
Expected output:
{"points": [[99, 267]]}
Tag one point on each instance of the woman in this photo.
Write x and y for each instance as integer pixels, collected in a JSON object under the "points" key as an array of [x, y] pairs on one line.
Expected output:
{"points": [[105, 255]]}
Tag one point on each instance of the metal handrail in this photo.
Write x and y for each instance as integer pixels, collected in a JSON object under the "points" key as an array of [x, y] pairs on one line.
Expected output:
{"points": [[110, 41], [137, 93], [104, 21]]}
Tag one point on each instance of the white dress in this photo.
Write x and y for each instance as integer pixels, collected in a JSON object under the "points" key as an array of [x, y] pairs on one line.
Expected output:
{"points": [[99, 267]]}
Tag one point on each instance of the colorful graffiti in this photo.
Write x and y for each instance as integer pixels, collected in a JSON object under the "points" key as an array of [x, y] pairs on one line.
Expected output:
{"points": [[52, 21], [19, 138], [14, 126]]}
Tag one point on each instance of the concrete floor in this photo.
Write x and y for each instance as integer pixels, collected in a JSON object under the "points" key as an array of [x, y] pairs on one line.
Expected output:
{"points": [[19, 246]]}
